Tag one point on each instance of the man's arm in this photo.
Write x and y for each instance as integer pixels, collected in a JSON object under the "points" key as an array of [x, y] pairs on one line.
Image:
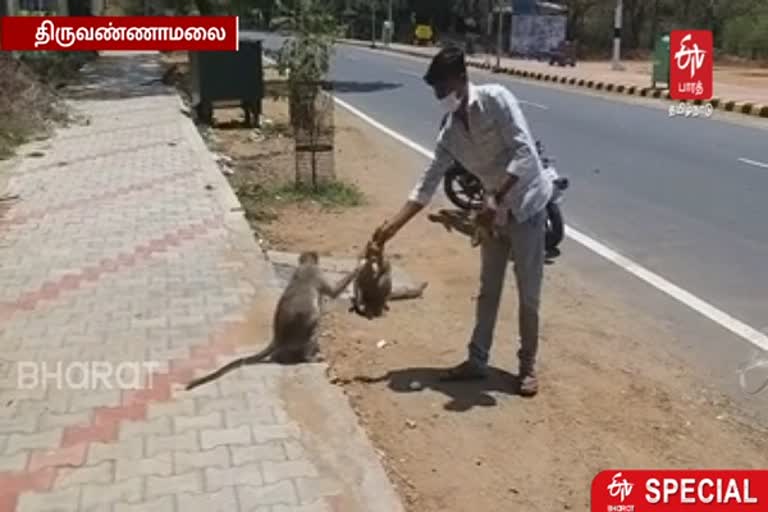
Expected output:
{"points": [[514, 131], [419, 197]]}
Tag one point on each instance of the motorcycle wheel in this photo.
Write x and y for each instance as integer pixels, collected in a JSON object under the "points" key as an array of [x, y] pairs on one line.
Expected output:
{"points": [[463, 189], [555, 230]]}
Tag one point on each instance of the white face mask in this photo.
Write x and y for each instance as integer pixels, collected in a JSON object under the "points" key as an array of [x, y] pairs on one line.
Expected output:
{"points": [[450, 103]]}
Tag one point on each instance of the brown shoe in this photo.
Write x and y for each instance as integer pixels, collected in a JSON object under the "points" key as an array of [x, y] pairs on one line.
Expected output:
{"points": [[465, 371], [529, 384]]}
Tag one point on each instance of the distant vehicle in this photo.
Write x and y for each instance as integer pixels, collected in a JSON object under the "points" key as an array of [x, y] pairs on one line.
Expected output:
{"points": [[423, 35], [564, 54]]}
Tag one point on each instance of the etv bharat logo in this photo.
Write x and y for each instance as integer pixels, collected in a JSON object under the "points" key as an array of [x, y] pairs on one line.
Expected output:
{"points": [[620, 489], [692, 58], [691, 74]]}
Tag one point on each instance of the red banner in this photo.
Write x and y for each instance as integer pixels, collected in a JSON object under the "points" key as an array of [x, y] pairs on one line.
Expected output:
{"points": [[100, 33], [691, 65], [680, 491]]}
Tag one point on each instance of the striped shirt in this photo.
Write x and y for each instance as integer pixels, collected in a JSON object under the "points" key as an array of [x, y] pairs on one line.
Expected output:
{"points": [[497, 143]]}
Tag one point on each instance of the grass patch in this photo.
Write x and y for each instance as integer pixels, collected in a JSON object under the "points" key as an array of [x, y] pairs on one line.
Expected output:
{"points": [[329, 194], [260, 201]]}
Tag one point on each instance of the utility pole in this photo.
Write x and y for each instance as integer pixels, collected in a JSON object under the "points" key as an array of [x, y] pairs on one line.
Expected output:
{"points": [[616, 65], [373, 24], [499, 34], [390, 25]]}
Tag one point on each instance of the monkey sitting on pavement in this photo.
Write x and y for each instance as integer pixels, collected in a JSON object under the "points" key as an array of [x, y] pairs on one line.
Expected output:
{"points": [[372, 288], [296, 318]]}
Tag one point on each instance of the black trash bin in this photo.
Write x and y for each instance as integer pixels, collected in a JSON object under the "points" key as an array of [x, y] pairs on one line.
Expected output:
{"points": [[228, 76]]}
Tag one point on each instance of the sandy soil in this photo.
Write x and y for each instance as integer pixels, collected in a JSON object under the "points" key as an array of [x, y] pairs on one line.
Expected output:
{"points": [[610, 396]]}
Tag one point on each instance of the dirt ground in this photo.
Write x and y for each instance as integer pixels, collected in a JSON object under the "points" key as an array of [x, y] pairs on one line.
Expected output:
{"points": [[606, 399]]}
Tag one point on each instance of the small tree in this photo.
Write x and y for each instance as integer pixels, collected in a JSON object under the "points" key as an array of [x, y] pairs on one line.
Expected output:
{"points": [[306, 58]]}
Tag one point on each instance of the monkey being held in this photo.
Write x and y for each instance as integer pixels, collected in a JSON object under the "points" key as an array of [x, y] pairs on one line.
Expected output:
{"points": [[296, 318], [472, 224], [372, 288]]}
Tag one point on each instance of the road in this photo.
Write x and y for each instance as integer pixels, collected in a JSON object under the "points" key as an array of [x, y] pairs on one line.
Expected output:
{"points": [[682, 197]]}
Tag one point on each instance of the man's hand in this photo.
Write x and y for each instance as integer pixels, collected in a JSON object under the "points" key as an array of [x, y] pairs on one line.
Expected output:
{"points": [[384, 233], [488, 213]]}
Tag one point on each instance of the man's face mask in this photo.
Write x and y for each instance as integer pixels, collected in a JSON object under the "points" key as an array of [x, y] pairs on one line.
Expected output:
{"points": [[450, 102]]}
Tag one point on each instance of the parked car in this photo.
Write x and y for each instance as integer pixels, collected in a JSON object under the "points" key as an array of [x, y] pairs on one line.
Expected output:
{"points": [[564, 54]]}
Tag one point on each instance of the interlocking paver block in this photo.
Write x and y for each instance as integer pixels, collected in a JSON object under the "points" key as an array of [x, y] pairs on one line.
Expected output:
{"points": [[294, 449], [49, 420], [264, 433], [260, 416], [191, 482], [257, 453], [317, 506], [15, 462], [172, 409], [101, 497], [212, 420], [225, 437], [92, 399], [100, 474], [284, 470], [224, 500], [158, 426], [23, 423], [216, 458], [162, 504], [65, 500], [251, 498], [132, 449], [231, 403], [216, 478], [41, 440], [186, 441], [161, 465]]}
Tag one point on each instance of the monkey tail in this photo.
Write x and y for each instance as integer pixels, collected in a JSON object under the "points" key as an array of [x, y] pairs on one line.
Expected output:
{"points": [[233, 365]]}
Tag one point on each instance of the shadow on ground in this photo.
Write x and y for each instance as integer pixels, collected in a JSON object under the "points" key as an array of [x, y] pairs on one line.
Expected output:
{"points": [[463, 395], [114, 78], [363, 87]]}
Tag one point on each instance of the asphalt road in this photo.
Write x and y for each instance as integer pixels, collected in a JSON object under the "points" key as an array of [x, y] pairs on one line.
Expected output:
{"points": [[682, 197]]}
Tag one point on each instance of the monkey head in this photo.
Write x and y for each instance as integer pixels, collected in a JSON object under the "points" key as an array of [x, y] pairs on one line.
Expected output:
{"points": [[309, 257]]}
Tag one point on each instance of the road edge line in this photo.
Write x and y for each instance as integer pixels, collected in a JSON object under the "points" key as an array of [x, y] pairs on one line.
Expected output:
{"points": [[723, 319]]}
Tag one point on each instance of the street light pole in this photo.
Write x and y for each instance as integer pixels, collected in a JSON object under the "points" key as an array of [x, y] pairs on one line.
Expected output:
{"points": [[616, 65]]}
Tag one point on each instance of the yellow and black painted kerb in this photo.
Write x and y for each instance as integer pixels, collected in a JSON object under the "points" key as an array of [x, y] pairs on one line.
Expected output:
{"points": [[743, 107]]}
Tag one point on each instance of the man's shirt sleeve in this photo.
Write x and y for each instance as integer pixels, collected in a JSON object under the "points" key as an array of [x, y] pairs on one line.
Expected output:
{"points": [[426, 187], [506, 112]]}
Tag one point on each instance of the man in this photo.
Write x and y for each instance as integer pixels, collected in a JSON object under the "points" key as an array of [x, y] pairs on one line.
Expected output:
{"points": [[487, 133]]}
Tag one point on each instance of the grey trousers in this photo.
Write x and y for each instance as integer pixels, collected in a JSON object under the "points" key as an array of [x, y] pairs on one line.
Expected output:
{"points": [[524, 244]]}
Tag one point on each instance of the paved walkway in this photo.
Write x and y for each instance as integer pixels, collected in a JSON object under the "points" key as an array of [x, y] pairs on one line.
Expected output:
{"points": [[127, 247], [745, 86]]}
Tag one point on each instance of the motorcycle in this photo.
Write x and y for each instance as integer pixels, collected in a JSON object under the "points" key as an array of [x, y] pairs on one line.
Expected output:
{"points": [[465, 190]]}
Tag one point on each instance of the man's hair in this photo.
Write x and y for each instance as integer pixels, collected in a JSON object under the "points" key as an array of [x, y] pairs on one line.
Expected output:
{"points": [[446, 65]]}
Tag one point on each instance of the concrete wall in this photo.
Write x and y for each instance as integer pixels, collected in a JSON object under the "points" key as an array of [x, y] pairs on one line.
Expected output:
{"points": [[536, 33]]}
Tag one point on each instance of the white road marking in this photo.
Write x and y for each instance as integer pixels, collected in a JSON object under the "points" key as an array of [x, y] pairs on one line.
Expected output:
{"points": [[537, 105], [702, 307], [753, 162]]}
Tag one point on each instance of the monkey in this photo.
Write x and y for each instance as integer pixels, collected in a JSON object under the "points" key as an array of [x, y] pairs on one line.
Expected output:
{"points": [[295, 321], [373, 288], [373, 284], [470, 224]]}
